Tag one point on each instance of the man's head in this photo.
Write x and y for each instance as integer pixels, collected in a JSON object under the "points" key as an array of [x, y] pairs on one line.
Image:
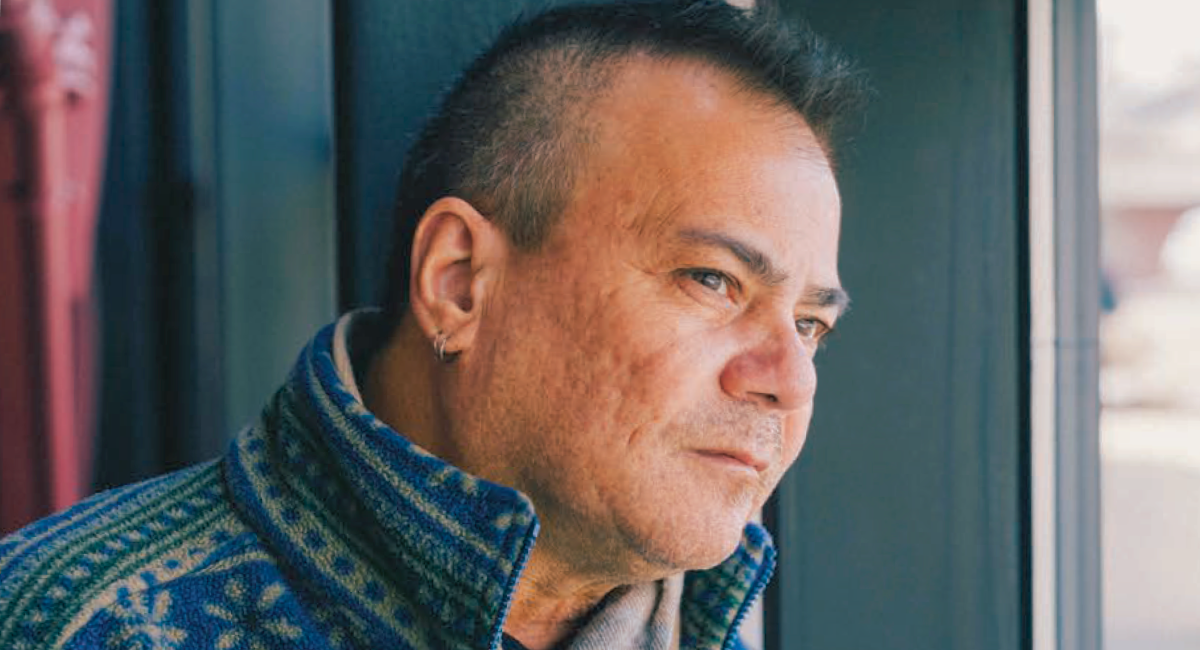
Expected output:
{"points": [[632, 249]]}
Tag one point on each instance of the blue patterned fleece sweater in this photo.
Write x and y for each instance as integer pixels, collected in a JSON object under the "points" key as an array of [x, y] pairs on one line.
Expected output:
{"points": [[320, 528]]}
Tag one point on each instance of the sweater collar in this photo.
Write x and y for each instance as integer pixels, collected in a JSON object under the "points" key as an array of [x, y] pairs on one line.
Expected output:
{"points": [[400, 536]]}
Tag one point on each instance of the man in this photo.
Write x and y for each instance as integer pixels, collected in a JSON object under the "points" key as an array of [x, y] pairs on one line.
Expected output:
{"points": [[620, 235]]}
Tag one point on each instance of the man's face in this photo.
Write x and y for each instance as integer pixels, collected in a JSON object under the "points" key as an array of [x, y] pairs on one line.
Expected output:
{"points": [[647, 377]]}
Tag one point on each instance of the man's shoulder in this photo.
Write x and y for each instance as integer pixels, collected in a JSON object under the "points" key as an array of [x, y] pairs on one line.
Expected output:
{"points": [[58, 573]]}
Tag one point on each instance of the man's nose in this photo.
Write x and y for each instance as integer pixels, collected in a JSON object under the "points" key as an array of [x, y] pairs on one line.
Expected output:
{"points": [[777, 372]]}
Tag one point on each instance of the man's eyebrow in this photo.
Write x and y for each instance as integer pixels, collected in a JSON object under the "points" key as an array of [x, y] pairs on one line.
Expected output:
{"points": [[754, 259], [761, 265], [829, 297]]}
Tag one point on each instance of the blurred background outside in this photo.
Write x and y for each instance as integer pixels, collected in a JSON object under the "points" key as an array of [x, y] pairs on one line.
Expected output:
{"points": [[1150, 330]]}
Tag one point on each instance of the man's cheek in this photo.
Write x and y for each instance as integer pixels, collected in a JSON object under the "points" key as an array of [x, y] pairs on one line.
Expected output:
{"points": [[795, 433]]}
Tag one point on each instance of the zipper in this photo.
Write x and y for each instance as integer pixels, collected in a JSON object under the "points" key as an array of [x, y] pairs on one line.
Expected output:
{"points": [[511, 588], [760, 583]]}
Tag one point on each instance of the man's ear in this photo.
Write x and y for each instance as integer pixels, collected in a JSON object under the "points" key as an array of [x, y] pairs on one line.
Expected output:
{"points": [[456, 256]]}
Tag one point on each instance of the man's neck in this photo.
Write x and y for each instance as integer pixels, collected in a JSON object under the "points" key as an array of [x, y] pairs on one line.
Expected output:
{"points": [[550, 605], [399, 389]]}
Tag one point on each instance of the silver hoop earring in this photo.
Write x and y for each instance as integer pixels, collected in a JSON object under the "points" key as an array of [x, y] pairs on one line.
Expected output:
{"points": [[439, 346]]}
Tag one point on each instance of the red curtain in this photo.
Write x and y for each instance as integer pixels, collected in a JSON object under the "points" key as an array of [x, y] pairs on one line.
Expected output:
{"points": [[54, 82]]}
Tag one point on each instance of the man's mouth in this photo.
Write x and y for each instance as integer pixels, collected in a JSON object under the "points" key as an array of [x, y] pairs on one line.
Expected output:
{"points": [[736, 459]]}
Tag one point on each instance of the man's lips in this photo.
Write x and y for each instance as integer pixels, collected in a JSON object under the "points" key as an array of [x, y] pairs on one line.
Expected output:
{"points": [[737, 458]]}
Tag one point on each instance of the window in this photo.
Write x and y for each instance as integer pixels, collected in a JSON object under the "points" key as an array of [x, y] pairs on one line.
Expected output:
{"points": [[1150, 361]]}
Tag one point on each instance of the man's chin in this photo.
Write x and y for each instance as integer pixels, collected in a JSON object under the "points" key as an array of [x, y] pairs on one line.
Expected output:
{"points": [[674, 551]]}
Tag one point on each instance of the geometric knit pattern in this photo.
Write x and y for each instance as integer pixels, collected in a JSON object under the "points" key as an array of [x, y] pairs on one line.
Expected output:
{"points": [[320, 528]]}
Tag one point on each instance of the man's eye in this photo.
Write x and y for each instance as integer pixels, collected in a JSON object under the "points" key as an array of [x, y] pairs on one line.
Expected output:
{"points": [[711, 280], [811, 329]]}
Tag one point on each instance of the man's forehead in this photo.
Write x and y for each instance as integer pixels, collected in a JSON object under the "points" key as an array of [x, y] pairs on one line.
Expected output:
{"points": [[680, 146], [662, 121], [648, 91]]}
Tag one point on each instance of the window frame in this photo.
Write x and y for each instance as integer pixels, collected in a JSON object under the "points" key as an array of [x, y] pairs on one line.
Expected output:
{"points": [[1064, 251]]}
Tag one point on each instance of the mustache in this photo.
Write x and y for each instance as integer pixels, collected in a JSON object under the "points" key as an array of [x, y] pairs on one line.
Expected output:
{"points": [[741, 427]]}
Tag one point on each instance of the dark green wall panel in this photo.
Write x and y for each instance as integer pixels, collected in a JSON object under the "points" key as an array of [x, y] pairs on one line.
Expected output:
{"points": [[903, 524], [217, 233], [273, 190]]}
